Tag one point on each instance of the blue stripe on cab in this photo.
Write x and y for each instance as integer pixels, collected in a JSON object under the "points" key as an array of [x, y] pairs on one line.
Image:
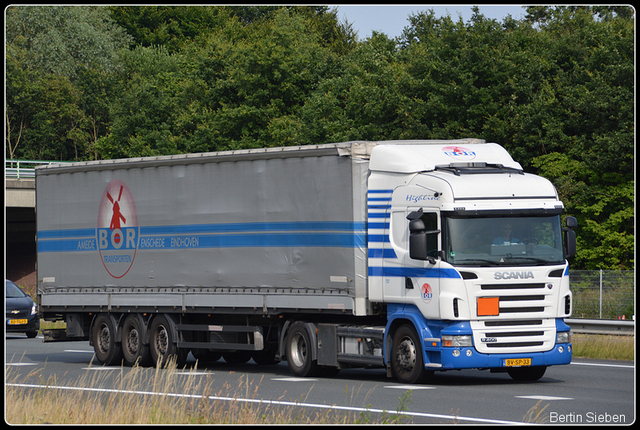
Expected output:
{"points": [[414, 272]]}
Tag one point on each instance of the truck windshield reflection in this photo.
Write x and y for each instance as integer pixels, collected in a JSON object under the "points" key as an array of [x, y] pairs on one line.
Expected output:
{"points": [[520, 241]]}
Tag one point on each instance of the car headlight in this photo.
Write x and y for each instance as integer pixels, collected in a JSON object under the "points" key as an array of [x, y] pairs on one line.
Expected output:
{"points": [[457, 340], [563, 337], [34, 309]]}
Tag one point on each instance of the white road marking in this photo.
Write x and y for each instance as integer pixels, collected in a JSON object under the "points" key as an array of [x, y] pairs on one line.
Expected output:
{"points": [[409, 387], [102, 368], [622, 366], [292, 379], [544, 398], [80, 350], [455, 418], [22, 364]]}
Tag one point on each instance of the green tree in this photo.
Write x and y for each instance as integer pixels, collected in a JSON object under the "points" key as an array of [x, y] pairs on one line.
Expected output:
{"points": [[360, 99], [62, 40], [556, 89], [171, 27], [239, 86], [53, 56]]}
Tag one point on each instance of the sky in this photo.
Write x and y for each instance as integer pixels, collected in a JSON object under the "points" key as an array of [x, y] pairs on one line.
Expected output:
{"points": [[391, 19]]}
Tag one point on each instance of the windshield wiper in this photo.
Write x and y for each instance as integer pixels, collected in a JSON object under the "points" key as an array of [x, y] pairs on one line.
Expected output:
{"points": [[536, 259], [483, 260]]}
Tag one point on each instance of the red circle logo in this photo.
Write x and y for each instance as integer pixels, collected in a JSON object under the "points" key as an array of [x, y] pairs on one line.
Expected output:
{"points": [[427, 293], [117, 233], [459, 153]]}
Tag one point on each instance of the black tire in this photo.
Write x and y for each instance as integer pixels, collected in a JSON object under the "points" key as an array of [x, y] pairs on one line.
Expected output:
{"points": [[237, 357], [134, 349], [103, 336], [299, 351], [32, 334], [162, 345], [407, 362], [527, 373], [328, 371], [205, 356], [267, 356]]}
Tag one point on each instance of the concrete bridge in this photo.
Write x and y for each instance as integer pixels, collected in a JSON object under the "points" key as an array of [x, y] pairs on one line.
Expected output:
{"points": [[20, 193], [20, 220]]}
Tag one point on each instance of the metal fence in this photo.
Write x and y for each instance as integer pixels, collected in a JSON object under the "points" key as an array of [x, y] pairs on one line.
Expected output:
{"points": [[23, 169], [603, 294]]}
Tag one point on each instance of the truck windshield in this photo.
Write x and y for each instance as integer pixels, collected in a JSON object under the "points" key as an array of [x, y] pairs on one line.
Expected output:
{"points": [[503, 241]]}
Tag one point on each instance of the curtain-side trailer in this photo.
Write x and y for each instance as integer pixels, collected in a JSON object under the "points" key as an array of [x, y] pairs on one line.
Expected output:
{"points": [[416, 256]]}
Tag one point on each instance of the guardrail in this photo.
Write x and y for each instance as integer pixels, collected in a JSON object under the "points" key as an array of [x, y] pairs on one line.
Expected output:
{"points": [[23, 169], [619, 327]]}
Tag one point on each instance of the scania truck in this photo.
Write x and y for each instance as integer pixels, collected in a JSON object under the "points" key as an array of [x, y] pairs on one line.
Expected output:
{"points": [[413, 256]]}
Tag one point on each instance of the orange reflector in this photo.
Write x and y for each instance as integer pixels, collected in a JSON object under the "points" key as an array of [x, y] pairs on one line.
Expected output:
{"points": [[488, 306]]}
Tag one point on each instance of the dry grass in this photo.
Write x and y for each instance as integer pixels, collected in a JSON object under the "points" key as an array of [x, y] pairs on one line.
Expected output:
{"points": [[150, 396]]}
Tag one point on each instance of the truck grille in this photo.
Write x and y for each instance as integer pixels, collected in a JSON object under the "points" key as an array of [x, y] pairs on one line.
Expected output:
{"points": [[524, 321], [512, 301], [514, 336]]}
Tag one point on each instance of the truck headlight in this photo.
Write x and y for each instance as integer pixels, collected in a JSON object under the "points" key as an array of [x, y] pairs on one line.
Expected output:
{"points": [[563, 337], [457, 340]]}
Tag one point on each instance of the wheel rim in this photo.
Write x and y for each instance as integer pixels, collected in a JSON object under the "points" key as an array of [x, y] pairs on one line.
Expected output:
{"points": [[161, 340], [298, 350], [104, 338], [406, 354], [133, 341]]}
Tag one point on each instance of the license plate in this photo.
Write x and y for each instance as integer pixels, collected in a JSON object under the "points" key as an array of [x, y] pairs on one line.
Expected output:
{"points": [[510, 362], [17, 322]]}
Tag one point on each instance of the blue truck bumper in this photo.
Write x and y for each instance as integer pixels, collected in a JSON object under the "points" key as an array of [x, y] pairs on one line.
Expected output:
{"points": [[469, 358]]}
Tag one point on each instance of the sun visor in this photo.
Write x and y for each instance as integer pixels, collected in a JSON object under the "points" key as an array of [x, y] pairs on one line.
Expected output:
{"points": [[425, 158]]}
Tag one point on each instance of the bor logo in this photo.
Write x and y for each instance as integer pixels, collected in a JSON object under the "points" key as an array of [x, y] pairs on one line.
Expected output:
{"points": [[459, 153], [427, 293], [117, 232]]}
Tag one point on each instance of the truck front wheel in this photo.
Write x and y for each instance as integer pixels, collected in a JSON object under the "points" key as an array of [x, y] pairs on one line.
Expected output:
{"points": [[527, 373], [299, 351], [407, 362], [103, 336]]}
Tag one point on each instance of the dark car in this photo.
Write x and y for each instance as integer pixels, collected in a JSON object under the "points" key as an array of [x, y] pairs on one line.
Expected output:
{"points": [[22, 313]]}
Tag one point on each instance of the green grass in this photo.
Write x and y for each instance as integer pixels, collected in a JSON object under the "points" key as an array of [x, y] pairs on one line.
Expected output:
{"points": [[603, 347]]}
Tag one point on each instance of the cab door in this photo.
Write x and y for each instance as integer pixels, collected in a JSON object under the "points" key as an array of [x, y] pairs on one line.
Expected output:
{"points": [[422, 276]]}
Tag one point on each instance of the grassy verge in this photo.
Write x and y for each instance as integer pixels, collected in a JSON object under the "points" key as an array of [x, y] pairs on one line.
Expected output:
{"points": [[603, 346], [149, 396]]}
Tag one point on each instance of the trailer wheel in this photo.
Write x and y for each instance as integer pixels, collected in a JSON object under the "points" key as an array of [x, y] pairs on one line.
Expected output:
{"points": [[103, 336], [299, 351], [406, 356], [133, 348], [162, 345], [527, 373]]}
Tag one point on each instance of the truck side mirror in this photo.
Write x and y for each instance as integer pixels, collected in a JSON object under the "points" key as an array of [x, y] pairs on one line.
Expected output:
{"points": [[417, 240], [422, 243], [570, 247], [572, 222]]}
